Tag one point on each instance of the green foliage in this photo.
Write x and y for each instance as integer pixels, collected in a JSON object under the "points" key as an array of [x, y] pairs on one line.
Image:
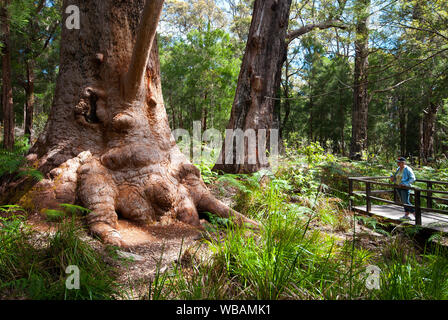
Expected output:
{"points": [[284, 260], [199, 77], [29, 270], [14, 162], [68, 210], [406, 275]]}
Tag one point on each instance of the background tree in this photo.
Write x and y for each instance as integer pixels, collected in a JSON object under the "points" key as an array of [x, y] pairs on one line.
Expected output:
{"points": [[199, 76], [360, 85], [7, 97], [258, 82]]}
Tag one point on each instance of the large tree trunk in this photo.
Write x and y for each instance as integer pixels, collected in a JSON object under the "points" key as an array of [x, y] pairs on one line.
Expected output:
{"points": [[108, 144], [360, 94], [258, 82], [7, 101]]}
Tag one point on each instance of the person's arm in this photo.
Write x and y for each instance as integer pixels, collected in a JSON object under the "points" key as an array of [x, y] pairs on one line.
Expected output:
{"points": [[392, 176], [408, 177], [411, 176]]}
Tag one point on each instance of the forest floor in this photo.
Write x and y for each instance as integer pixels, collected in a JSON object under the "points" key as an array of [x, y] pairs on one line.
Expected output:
{"points": [[154, 249], [178, 261]]}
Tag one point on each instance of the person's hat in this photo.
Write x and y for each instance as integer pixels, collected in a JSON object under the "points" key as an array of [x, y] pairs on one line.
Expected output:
{"points": [[401, 159]]}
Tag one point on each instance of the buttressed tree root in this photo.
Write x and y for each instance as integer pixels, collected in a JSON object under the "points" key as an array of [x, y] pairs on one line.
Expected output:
{"points": [[108, 145]]}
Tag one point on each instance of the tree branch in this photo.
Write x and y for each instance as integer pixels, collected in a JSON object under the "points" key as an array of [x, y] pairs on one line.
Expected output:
{"points": [[40, 6], [392, 87], [143, 45], [310, 27]]}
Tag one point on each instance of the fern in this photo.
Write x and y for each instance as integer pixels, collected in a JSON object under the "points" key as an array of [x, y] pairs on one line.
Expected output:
{"points": [[14, 161], [74, 209], [54, 215], [31, 172], [243, 185]]}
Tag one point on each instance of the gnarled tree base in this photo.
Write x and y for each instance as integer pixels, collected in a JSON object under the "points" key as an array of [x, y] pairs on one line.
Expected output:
{"points": [[153, 193], [108, 145]]}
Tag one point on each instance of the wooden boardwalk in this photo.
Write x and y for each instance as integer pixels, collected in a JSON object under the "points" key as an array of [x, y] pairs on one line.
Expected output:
{"points": [[427, 214], [430, 220]]}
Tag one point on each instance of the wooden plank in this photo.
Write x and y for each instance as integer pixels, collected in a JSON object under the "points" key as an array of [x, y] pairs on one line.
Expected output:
{"points": [[432, 181], [429, 220]]}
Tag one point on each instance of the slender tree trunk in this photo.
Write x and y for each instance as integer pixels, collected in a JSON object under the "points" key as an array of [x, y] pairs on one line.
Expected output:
{"points": [[428, 131], [444, 132], [173, 114], [108, 145], [7, 98], [204, 119], [360, 95], [402, 111], [258, 83], [311, 117], [29, 89], [287, 102], [342, 124]]}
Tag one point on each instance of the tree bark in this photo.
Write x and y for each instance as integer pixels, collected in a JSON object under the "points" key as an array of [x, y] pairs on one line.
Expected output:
{"points": [[29, 92], [360, 95], [342, 124], [311, 115], [108, 145], [258, 82], [7, 98], [402, 113], [287, 105], [312, 26], [428, 131]]}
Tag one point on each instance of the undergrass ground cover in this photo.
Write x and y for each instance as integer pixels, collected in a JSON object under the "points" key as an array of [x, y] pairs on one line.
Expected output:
{"points": [[35, 267], [307, 246], [289, 258]]}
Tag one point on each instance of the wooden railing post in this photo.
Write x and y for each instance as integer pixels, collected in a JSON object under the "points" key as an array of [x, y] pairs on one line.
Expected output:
{"points": [[368, 193], [350, 194], [429, 195], [418, 212]]}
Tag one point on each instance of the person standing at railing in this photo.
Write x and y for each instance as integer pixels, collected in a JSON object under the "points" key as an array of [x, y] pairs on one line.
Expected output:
{"points": [[404, 176]]}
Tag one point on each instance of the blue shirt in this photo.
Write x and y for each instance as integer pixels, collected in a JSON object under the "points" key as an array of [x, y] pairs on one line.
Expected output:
{"points": [[408, 176]]}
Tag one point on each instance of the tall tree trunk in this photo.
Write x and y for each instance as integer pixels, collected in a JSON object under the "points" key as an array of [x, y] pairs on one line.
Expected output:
{"points": [[311, 116], [428, 131], [360, 94], [108, 144], [402, 112], [287, 102], [342, 124], [258, 83], [29, 90], [444, 132], [7, 99]]}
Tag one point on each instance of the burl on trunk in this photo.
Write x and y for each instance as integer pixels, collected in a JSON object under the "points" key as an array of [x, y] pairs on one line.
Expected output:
{"points": [[108, 144]]}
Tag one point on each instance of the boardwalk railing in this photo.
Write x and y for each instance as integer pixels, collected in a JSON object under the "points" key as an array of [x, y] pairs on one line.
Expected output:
{"points": [[419, 194]]}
